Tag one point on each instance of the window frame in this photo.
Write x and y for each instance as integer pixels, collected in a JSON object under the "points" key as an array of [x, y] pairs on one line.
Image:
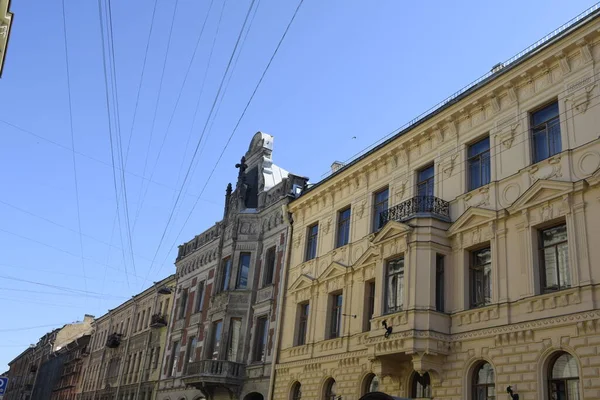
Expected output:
{"points": [[369, 304], [296, 393], [549, 123], [476, 268], [330, 392], [270, 265], [551, 381], [259, 351], [424, 381], [427, 183], [475, 385], [241, 257], [343, 227], [311, 242], [440, 286], [335, 316], [303, 319], [175, 350], [380, 206], [215, 342], [399, 303], [200, 292], [479, 158], [543, 262], [225, 273], [183, 299]]}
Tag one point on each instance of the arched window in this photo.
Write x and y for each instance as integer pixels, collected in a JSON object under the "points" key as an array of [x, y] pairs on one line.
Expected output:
{"points": [[563, 378], [371, 384], [483, 382], [330, 390], [421, 385], [296, 391]]}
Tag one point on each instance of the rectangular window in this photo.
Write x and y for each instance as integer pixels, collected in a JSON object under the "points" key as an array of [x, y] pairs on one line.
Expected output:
{"points": [[244, 268], [479, 163], [183, 303], [311, 242], [226, 274], [174, 358], [200, 294], [234, 339], [335, 327], [269, 269], [369, 305], [260, 343], [303, 309], [141, 325], [394, 278], [439, 283], [343, 227], [481, 277], [554, 257], [191, 350], [545, 132], [425, 182], [380, 205], [156, 357], [216, 339]]}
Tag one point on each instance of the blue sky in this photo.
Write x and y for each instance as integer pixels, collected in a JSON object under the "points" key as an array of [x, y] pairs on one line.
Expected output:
{"points": [[346, 68]]}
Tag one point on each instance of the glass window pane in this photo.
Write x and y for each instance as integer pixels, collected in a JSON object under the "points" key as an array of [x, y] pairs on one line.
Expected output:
{"points": [[244, 269], [485, 169], [565, 366], [550, 268], [485, 374], [545, 114], [426, 173], [563, 265], [479, 147], [573, 389], [474, 174], [540, 146], [554, 235]]}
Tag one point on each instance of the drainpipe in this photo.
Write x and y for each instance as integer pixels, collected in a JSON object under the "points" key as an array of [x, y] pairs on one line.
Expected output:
{"points": [[283, 282], [122, 366]]}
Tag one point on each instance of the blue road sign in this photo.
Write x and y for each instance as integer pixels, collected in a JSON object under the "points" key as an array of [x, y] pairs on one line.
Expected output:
{"points": [[3, 384]]}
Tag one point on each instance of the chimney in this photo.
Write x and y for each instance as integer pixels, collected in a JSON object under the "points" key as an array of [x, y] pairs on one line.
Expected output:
{"points": [[336, 166]]}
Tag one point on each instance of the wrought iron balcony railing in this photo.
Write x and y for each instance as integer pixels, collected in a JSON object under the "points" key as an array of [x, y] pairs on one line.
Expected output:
{"points": [[113, 340], [220, 369], [425, 205], [158, 321]]}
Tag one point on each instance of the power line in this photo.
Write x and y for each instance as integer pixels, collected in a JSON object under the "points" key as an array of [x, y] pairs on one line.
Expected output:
{"points": [[57, 287], [73, 140], [204, 129], [28, 328], [187, 72], [239, 120]]}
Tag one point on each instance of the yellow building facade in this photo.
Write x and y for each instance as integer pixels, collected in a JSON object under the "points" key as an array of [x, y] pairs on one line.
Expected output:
{"points": [[462, 255]]}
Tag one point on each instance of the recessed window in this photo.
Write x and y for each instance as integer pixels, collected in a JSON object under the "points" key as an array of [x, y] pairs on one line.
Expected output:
{"points": [[234, 339], [216, 339], [481, 277], [296, 391], [563, 378], [260, 343], [425, 182], [330, 390], [226, 274], [182, 304], [369, 305], [483, 386], [269, 273], [311, 242], [174, 358], [380, 205], [421, 386], [335, 322], [244, 268], [343, 227], [554, 257], [394, 278], [191, 351], [439, 283], [371, 384], [303, 310], [545, 132], [479, 163], [200, 298]]}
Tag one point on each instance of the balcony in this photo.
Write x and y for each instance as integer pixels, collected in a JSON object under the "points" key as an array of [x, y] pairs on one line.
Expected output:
{"points": [[214, 373], [418, 206], [158, 321], [113, 341]]}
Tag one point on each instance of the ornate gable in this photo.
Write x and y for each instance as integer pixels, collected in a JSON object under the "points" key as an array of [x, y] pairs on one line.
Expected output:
{"points": [[540, 192], [391, 230], [368, 257], [334, 269], [473, 217], [304, 281]]}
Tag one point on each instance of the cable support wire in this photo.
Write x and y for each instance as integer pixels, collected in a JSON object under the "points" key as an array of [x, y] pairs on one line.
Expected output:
{"points": [[78, 207], [236, 126]]}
